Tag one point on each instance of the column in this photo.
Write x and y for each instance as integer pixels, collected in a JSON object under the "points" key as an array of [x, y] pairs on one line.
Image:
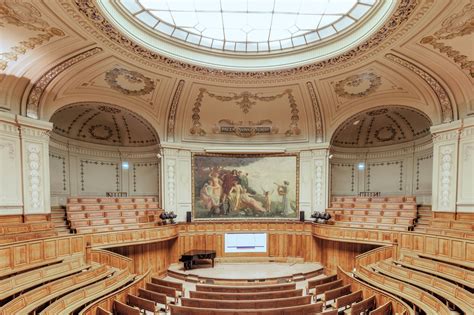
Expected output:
{"points": [[24, 156], [453, 166], [314, 180], [176, 181]]}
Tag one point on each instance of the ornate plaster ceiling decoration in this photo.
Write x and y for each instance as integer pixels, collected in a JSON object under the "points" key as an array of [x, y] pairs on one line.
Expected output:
{"points": [[103, 123], [260, 113], [455, 38], [128, 82], [358, 85], [382, 126], [23, 28]]}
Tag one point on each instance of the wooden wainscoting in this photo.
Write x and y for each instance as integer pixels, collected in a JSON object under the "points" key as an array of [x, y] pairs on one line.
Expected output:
{"points": [[285, 239], [154, 256]]}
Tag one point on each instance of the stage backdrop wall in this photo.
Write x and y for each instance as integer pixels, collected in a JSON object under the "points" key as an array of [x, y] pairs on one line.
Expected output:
{"points": [[397, 170], [79, 169]]}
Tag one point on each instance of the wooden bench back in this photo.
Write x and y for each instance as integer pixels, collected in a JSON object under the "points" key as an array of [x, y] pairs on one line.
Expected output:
{"points": [[242, 289], [123, 309], [141, 303], [171, 292], [337, 292], [153, 296], [246, 296], [101, 311], [249, 304], [322, 288], [364, 306], [347, 300], [176, 285], [313, 283], [385, 309], [309, 309]]}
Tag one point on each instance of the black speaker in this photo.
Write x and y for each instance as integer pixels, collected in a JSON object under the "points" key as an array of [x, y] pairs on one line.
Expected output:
{"points": [[302, 216], [188, 217]]}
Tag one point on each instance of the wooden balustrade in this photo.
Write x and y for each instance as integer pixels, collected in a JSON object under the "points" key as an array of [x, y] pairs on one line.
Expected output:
{"points": [[375, 255], [111, 259], [246, 296], [304, 309], [245, 289], [248, 304]]}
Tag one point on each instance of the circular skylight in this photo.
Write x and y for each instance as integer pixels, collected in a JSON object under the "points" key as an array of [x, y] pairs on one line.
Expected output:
{"points": [[249, 25]]}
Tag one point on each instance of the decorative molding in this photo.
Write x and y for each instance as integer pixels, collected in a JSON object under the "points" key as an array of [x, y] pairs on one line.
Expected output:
{"points": [[142, 164], [170, 183], [456, 25], [318, 119], [173, 110], [444, 101], [370, 165], [25, 15], [319, 183], [124, 45], [63, 161], [33, 151], [10, 148], [36, 93], [133, 77], [418, 161], [356, 80], [102, 163], [351, 165], [445, 169], [245, 100]]}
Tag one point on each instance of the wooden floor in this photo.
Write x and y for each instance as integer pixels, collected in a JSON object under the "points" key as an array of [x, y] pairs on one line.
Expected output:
{"points": [[247, 271]]}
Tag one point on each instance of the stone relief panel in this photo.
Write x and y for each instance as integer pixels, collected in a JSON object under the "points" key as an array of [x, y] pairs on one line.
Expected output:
{"points": [[424, 173], [386, 176], [466, 169], [343, 178], [104, 123], [358, 85], [257, 114], [10, 180], [35, 180], [58, 173], [455, 37], [98, 177], [445, 169], [23, 28], [145, 178]]}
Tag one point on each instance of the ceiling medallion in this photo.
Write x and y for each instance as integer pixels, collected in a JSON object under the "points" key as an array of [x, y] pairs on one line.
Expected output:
{"points": [[351, 86], [117, 75], [101, 132], [386, 133]]}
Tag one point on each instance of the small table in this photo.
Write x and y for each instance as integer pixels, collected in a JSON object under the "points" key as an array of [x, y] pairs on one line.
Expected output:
{"points": [[188, 257]]}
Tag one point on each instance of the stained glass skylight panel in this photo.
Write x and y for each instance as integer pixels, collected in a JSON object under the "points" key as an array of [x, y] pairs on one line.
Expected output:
{"points": [[249, 25]]}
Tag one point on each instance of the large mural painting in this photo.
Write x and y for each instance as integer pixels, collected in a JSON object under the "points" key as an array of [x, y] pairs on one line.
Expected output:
{"points": [[245, 186]]}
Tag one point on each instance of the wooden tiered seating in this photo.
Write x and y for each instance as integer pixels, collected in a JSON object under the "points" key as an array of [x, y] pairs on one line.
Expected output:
{"points": [[450, 224], [142, 304], [246, 296], [124, 309], [449, 291], [421, 299], [74, 300], [245, 289], [446, 271], [23, 281], [29, 301], [16, 228], [313, 283], [293, 310], [176, 285], [390, 213], [248, 304], [91, 215]]}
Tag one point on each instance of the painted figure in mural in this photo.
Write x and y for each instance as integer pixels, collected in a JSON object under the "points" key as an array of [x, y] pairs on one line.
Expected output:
{"points": [[235, 197], [267, 201], [283, 192], [216, 189], [250, 202], [205, 195]]}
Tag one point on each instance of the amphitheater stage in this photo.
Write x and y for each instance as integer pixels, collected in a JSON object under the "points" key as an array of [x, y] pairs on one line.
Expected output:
{"points": [[245, 272]]}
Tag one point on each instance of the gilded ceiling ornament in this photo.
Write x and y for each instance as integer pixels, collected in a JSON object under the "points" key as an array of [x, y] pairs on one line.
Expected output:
{"points": [[133, 77], [374, 81], [443, 98], [89, 9], [456, 25], [318, 120], [173, 110], [245, 100], [25, 15], [39, 86]]}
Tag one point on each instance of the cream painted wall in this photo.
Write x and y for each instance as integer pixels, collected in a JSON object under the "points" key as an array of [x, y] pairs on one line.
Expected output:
{"points": [[82, 169], [396, 170]]}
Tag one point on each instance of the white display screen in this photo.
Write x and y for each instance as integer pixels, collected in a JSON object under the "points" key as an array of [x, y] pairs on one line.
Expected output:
{"points": [[246, 242]]}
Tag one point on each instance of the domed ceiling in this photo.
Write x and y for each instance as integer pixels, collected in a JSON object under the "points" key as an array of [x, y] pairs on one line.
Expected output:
{"points": [[382, 126], [104, 124]]}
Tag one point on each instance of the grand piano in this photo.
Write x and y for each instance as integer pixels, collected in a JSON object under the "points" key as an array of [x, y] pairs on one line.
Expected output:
{"points": [[188, 257]]}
